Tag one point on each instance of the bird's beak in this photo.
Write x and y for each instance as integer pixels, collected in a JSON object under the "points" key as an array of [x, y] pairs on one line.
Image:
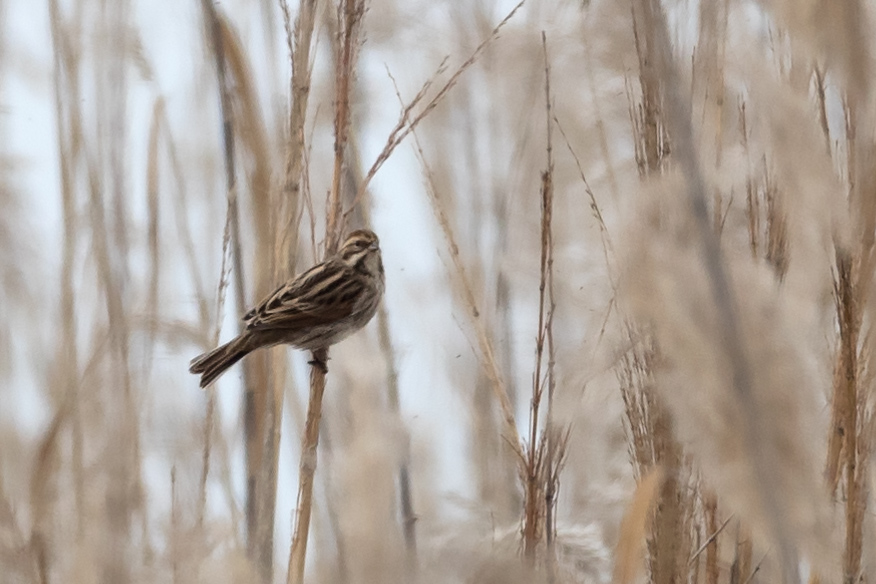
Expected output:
{"points": [[374, 246]]}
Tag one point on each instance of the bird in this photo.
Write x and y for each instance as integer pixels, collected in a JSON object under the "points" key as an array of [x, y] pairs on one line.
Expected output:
{"points": [[312, 311]]}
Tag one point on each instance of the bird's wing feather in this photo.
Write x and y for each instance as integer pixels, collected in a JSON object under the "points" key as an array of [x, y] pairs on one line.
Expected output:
{"points": [[321, 295]]}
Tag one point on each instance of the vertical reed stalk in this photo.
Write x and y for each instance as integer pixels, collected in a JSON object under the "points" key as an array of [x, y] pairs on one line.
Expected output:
{"points": [[350, 13]]}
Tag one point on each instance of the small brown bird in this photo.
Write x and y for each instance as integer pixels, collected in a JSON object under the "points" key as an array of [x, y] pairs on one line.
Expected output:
{"points": [[314, 310]]}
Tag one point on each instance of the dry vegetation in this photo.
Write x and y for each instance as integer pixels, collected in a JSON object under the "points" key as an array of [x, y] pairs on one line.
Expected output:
{"points": [[626, 338]]}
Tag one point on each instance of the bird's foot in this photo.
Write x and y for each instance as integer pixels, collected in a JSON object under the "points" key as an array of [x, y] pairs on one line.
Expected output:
{"points": [[319, 364]]}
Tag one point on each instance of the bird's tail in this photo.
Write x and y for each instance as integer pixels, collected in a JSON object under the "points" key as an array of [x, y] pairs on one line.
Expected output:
{"points": [[213, 364]]}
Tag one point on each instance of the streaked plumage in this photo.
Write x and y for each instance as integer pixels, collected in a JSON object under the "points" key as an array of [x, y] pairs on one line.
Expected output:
{"points": [[315, 310]]}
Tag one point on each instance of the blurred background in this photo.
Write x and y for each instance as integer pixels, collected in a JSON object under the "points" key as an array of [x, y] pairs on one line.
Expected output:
{"points": [[625, 336]]}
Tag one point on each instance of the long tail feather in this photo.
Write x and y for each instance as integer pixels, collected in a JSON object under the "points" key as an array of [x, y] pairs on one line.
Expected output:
{"points": [[213, 364]]}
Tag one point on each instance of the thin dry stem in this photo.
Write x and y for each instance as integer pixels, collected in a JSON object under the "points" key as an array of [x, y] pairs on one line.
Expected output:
{"points": [[267, 367], [299, 54], [822, 106], [43, 483], [556, 453], [539, 478], [350, 13], [66, 59], [485, 345], [218, 35], [153, 211], [407, 124], [408, 517], [307, 470], [533, 489], [844, 461], [713, 536], [710, 510], [124, 463]]}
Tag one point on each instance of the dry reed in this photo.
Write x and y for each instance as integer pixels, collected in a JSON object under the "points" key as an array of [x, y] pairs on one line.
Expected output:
{"points": [[350, 13]]}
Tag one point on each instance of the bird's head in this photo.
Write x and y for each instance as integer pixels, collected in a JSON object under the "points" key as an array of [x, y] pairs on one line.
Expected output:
{"points": [[361, 250]]}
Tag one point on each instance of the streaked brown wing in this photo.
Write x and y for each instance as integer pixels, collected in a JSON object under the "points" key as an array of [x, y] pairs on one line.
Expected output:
{"points": [[324, 294]]}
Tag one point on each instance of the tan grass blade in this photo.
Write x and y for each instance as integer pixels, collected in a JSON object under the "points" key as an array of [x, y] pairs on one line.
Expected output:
{"points": [[628, 554]]}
